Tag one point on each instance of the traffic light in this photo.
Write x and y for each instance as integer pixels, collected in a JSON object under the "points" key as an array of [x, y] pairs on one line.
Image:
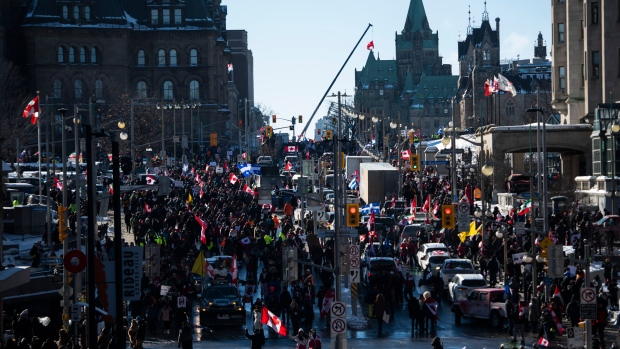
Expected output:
{"points": [[213, 139], [328, 135], [414, 159], [447, 216], [411, 137], [126, 165], [293, 119], [62, 223], [333, 121], [299, 119], [353, 215], [318, 131], [273, 119], [269, 131]]}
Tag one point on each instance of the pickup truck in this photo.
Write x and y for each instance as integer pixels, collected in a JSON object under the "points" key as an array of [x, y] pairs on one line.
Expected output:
{"points": [[482, 303]]}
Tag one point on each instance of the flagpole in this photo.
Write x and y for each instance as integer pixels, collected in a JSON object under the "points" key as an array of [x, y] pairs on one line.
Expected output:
{"points": [[39, 147]]}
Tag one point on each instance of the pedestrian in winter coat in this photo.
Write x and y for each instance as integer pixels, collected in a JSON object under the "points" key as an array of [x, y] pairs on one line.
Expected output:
{"points": [[152, 315], [285, 301], [257, 338], [257, 315], [295, 314], [25, 326], [141, 333], [414, 313], [379, 307], [534, 314], [165, 315], [573, 311], [300, 338], [186, 336]]}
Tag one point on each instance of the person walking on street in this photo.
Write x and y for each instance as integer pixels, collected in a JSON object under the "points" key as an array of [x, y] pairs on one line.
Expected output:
{"points": [[414, 313], [534, 314], [314, 341], [257, 338], [186, 336], [409, 285], [132, 333], [493, 268], [165, 315], [437, 343], [141, 333], [152, 316], [573, 311], [379, 307], [300, 338]]}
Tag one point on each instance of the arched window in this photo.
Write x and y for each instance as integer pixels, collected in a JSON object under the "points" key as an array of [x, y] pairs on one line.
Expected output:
{"points": [[87, 13], [141, 89], [71, 55], [161, 58], [486, 54], [173, 58], [98, 89], [78, 89], [61, 55], [57, 89], [510, 108], [76, 12], [141, 58], [168, 91], [93, 55], [65, 12], [193, 57], [82, 55], [194, 89]]}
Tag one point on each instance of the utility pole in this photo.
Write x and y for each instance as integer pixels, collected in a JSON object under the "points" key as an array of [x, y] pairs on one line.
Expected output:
{"points": [[65, 241], [78, 213]]}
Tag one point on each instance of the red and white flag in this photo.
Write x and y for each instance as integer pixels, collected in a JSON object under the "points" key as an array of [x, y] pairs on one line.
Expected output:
{"points": [[32, 109], [203, 228], [290, 149], [371, 220], [558, 321], [288, 166], [427, 204], [209, 269], [327, 303], [271, 320], [150, 180], [543, 342], [233, 270], [405, 154], [230, 67], [362, 238], [198, 178], [370, 45], [201, 193], [232, 178], [432, 305], [247, 189], [147, 208], [393, 202]]}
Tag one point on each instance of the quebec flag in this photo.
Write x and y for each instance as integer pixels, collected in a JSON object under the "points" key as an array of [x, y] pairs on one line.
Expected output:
{"points": [[247, 170], [371, 207]]}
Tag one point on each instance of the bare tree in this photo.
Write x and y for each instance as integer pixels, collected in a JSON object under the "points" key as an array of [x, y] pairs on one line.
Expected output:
{"points": [[13, 100]]}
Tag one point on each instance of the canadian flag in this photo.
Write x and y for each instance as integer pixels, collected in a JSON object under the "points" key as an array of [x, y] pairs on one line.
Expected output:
{"points": [[288, 166], [209, 269], [362, 238], [232, 178], [327, 302], [271, 320], [405, 154], [247, 189], [370, 45], [233, 270], [147, 208], [198, 178], [543, 342], [427, 204], [150, 180], [432, 306], [32, 109], [371, 220], [203, 228], [290, 149], [393, 202]]}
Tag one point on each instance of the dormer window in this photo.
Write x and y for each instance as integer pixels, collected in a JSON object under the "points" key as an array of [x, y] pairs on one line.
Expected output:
{"points": [[177, 16], [486, 55], [166, 16], [154, 17]]}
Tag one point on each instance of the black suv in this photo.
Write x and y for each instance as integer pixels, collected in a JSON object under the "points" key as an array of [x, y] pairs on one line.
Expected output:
{"points": [[221, 305], [518, 183]]}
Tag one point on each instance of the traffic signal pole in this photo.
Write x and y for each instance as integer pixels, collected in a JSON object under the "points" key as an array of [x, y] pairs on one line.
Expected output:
{"points": [[65, 241], [340, 338]]}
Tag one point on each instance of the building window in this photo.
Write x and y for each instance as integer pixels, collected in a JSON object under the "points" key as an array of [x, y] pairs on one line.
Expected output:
{"points": [[61, 55], [193, 57], [82, 55], [141, 58], [141, 90], [486, 55], [596, 61], [165, 16], [93, 55], [57, 89], [154, 17], [71, 55], [510, 108], [561, 32], [173, 58], [177, 16], [98, 89], [78, 89], [194, 90], [65, 12], [436, 123], [594, 13], [161, 58], [87, 13], [562, 74], [76, 12], [168, 91]]}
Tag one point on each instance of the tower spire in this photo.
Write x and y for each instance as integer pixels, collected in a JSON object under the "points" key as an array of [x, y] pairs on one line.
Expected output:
{"points": [[469, 29], [485, 14]]}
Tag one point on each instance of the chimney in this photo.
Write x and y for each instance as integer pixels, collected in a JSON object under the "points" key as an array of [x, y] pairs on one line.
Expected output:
{"points": [[497, 26]]}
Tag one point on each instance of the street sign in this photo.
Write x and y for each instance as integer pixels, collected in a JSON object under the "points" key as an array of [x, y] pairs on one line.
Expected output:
{"points": [[435, 163], [132, 272], [588, 303], [51, 260], [338, 319], [354, 263], [575, 337], [449, 151], [403, 133], [463, 215], [545, 243], [526, 195], [555, 261]]}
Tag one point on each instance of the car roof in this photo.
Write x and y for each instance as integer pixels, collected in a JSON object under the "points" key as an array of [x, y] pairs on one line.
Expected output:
{"points": [[470, 276], [488, 289], [458, 260], [435, 245], [381, 258]]}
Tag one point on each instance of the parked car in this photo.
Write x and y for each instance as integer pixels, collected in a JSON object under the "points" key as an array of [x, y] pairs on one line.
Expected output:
{"points": [[452, 267], [518, 183], [462, 284], [375, 266], [434, 260], [430, 247]]}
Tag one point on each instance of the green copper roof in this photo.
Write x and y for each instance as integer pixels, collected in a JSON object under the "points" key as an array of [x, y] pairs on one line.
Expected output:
{"points": [[416, 16], [408, 44], [409, 85], [377, 70], [435, 87]]}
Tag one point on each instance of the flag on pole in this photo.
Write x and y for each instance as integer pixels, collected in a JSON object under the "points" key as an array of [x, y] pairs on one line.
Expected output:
{"points": [[198, 267], [233, 270], [32, 109], [327, 303], [209, 269], [371, 220], [505, 85], [526, 208], [370, 45], [270, 319], [232, 178], [247, 189], [203, 228], [147, 208], [427, 204], [543, 342], [288, 166]]}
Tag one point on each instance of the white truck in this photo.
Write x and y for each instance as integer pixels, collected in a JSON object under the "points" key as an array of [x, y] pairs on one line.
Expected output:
{"points": [[352, 163], [378, 180]]}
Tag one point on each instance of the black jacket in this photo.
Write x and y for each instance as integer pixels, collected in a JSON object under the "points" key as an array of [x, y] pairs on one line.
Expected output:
{"points": [[258, 339]]}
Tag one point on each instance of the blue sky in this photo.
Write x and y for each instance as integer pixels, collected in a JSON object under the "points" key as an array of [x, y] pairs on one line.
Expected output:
{"points": [[299, 46]]}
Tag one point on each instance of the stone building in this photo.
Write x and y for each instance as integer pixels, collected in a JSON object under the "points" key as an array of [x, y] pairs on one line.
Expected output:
{"points": [[414, 88]]}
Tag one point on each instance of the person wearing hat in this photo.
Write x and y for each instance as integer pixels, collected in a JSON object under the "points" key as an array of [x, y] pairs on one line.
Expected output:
{"points": [[300, 338], [257, 338], [437, 343], [186, 336], [314, 341]]}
